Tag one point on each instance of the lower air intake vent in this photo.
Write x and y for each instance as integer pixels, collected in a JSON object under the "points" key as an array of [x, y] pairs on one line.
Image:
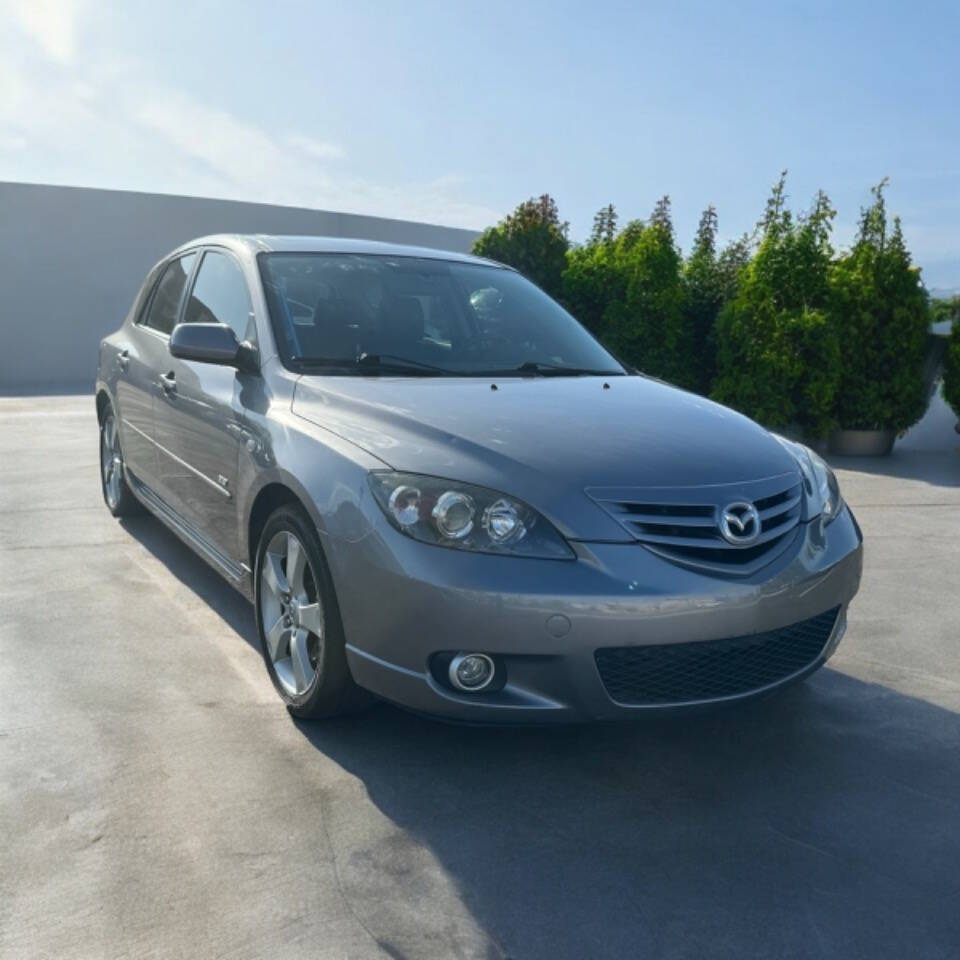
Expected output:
{"points": [[690, 672]]}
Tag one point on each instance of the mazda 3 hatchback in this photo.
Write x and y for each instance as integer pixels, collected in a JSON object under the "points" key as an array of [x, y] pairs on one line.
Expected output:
{"points": [[435, 486]]}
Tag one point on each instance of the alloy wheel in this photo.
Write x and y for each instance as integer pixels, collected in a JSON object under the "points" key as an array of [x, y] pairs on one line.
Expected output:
{"points": [[291, 613], [111, 462]]}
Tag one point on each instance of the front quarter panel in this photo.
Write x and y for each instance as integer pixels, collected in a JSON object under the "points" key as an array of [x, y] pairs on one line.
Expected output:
{"points": [[326, 473]]}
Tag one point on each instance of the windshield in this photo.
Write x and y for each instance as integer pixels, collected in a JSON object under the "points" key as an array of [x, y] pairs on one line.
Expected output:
{"points": [[420, 317]]}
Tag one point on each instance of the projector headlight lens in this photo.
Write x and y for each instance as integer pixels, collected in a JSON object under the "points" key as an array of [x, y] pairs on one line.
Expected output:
{"points": [[453, 514], [502, 522]]}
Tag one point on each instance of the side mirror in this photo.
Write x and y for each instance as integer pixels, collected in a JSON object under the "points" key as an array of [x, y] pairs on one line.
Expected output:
{"points": [[212, 343]]}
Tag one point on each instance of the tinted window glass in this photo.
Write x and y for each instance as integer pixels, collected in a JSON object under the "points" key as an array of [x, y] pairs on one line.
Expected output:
{"points": [[462, 319], [220, 296], [165, 307], [142, 302]]}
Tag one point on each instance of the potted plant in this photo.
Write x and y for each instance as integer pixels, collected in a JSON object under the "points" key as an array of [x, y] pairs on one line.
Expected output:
{"points": [[778, 355], [880, 312]]}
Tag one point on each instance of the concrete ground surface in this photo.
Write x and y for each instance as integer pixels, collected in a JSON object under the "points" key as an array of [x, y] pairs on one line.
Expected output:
{"points": [[156, 800]]}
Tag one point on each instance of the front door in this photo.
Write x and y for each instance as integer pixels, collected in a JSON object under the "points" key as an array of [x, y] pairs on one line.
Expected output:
{"points": [[198, 415], [136, 386]]}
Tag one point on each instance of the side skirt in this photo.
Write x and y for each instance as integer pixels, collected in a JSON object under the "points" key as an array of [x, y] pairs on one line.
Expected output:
{"points": [[238, 576]]}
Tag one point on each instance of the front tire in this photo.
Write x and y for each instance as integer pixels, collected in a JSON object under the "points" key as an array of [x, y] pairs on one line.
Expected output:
{"points": [[117, 494], [298, 620]]}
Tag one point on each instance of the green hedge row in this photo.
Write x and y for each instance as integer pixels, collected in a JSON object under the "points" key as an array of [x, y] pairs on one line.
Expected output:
{"points": [[776, 324]]}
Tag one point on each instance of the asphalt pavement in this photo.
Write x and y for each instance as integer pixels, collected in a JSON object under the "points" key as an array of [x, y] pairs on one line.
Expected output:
{"points": [[156, 800]]}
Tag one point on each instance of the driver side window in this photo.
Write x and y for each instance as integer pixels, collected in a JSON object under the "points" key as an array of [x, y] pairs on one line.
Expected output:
{"points": [[220, 295]]}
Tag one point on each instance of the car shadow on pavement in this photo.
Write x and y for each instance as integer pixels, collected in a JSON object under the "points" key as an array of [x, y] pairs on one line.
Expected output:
{"points": [[821, 822], [195, 574]]}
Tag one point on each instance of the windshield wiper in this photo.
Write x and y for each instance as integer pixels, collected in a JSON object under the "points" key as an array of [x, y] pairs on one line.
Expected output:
{"points": [[371, 364], [557, 370], [390, 361]]}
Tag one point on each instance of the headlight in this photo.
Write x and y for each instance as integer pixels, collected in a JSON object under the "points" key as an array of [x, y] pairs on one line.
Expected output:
{"points": [[466, 517], [823, 491]]}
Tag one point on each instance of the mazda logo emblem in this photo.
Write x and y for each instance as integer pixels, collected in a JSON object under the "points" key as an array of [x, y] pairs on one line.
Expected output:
{"points": [[740, 523]]}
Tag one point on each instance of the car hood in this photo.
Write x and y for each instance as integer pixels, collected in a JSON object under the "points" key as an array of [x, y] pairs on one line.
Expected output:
{"points": [[546, 440]]}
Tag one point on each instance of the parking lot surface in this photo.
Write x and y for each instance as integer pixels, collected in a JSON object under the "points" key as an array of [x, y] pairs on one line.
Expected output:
{"points": [[156, 800]]}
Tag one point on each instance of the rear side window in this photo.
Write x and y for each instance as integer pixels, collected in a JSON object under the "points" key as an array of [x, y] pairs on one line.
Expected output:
{"points": [[165, 307], [143, 296], [220, 295]]}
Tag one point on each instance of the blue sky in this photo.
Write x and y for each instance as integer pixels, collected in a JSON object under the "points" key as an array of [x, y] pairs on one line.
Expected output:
{"points": [[454, 112]]}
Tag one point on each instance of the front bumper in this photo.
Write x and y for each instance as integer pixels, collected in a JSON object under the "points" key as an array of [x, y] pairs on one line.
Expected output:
{"points": [[403, 602]]}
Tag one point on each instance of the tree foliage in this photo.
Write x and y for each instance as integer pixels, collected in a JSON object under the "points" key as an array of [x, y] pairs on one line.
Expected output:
{"points": [[710, 280], [772, 324], [627, 288], [778, 356], [604, 225], [592, 279], [532, 239], [949, 309], [881, 315], [951, 368], [945, 308]]}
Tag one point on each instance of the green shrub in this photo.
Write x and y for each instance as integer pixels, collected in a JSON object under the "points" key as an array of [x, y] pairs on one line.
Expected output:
{"points": [[709, 281], [627, 288], [881, 315], [945, 308], [533, 240], [782, 332], [592, 279], [951, 369], [778, 356]]}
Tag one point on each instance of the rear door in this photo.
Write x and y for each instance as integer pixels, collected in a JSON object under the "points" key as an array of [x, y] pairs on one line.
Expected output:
{"points": [[198, 414], [143, 356]]}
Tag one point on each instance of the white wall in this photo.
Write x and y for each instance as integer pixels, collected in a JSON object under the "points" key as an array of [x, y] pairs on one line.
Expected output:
{"points": [[72, 259]]}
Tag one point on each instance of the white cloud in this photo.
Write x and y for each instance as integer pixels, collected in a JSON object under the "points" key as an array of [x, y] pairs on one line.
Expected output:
{"points": [[50, 23], [317, 149], [243, 161], [72, 113]]}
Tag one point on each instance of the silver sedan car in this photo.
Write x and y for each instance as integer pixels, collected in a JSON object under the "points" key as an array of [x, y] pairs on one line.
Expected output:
{"points": [[436, 487]]}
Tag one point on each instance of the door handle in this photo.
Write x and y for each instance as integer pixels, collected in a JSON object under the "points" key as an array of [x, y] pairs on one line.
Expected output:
{"points": [[168, 381], [123, 359]]}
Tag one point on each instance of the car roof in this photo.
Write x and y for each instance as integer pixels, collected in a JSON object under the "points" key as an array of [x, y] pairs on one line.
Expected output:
{"points": [[267, 243]]}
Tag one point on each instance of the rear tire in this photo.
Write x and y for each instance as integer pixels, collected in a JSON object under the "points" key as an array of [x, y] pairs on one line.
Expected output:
{"points": [[117, 495], [298, 620]]}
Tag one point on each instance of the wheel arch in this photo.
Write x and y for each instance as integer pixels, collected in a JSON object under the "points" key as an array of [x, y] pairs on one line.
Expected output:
{"points": [[269, 498], [104, 400]]}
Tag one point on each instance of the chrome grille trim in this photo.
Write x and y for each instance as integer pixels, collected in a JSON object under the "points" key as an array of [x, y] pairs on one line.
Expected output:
{"points": [[681, 524]]}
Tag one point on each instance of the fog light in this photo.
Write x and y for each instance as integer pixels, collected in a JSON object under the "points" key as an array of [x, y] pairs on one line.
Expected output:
{"points": [[471, 672]]}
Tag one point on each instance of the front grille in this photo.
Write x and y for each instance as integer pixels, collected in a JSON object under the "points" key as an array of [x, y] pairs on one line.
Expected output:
{"points": [[682, 524], [680, 673]]}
